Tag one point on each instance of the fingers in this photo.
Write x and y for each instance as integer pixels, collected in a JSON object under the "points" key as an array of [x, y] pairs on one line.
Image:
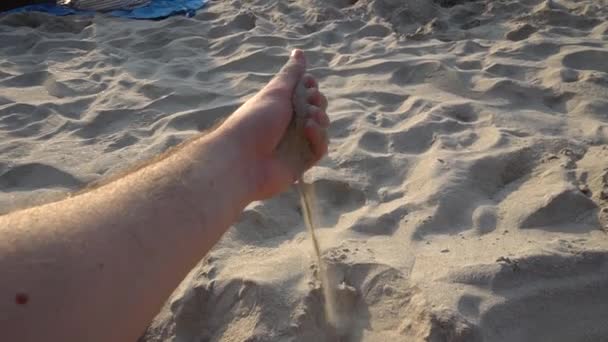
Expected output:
{"points": [[319, 116], [317, 137], [315, 128], [309, 81], [323, 103], [315, 96], [292, 71]]}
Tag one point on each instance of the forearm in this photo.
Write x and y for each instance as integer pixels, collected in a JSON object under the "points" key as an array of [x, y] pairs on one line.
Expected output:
{"points": [[103, 265]]}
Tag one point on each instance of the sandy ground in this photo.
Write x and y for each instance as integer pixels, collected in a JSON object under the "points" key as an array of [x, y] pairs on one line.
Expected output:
{"points": [[463, 197]]}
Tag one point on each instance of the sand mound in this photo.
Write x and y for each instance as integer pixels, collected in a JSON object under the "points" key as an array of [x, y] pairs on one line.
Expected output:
{"points": [[464, 196]]}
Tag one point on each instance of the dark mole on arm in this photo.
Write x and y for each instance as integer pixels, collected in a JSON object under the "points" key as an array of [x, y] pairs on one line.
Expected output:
{"points": [[21, 298]]}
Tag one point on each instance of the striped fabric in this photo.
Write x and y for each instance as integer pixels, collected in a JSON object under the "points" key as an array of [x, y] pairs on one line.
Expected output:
{"points": [[103, 5]]}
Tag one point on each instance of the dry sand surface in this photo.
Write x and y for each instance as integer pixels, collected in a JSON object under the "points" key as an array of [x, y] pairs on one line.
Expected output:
{"points": [[464, 197]]}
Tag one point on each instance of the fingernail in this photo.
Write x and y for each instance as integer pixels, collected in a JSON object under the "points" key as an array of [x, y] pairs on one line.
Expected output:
{"points": [[297, 54]]}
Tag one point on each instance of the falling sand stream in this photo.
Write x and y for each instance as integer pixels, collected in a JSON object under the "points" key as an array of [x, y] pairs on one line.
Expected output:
{"points": [[328, 286], [295, 150]]}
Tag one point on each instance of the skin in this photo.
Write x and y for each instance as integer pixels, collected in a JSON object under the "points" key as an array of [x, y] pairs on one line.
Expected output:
{"points": [[99, 266]]}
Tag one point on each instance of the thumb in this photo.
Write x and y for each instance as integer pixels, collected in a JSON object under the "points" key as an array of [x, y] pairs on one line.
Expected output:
{"points": [[293, 70]]}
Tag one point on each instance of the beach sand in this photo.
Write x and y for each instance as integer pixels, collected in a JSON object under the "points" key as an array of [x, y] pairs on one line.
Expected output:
{"points": [[464, 196]]}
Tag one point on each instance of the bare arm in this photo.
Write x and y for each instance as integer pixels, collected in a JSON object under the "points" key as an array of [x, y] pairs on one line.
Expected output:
{"points": [[103, 262], [98, 266]]}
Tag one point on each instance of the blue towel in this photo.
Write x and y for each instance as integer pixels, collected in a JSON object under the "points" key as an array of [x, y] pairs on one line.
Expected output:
{"points": [[156, 9]]}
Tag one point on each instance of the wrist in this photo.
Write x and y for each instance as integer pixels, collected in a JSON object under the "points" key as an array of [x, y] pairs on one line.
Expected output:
{"points": [[227, 167]]}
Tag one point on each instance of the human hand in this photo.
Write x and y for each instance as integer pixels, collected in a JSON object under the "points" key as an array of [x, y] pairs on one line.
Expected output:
{"points": [[260, 124]]}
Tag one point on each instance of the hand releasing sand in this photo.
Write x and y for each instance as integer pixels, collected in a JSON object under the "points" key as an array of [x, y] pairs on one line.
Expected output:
{"points": [[308, 105], [149, 226], [267, 126], [295, 149]]}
